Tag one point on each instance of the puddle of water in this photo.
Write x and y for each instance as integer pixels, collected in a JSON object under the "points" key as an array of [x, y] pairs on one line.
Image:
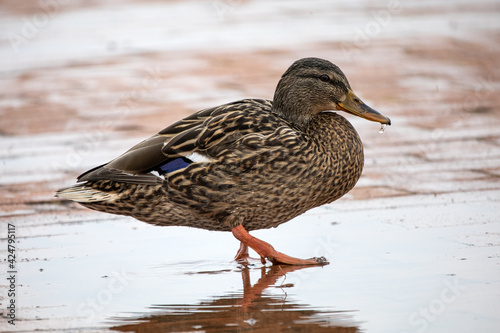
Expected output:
{"points": [[402, 264], [124, 275], [264, 304]]}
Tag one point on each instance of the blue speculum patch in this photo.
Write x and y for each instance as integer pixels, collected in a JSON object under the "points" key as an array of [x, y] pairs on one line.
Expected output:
{"points": [[173, 165]]}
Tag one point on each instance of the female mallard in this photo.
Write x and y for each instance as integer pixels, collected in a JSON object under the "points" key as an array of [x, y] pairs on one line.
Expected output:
{"points": [[246, 165]]}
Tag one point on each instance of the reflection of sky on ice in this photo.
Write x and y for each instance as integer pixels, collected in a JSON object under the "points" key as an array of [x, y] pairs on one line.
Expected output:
{"points": [[130, 266], [390, 259]]}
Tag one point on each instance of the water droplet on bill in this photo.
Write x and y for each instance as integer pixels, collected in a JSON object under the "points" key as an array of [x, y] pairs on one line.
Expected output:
{"points": [[382, 128]]}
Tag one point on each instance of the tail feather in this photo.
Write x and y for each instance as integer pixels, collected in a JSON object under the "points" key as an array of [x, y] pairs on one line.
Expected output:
{"points": [[83, 193]]}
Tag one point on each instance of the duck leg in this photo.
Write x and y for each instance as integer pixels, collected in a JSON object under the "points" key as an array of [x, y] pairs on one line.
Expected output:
{"points": [[266, 251], [242, 254]]}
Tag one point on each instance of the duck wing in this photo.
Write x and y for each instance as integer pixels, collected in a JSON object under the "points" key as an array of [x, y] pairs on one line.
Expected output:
{"points": [[202, 136]]}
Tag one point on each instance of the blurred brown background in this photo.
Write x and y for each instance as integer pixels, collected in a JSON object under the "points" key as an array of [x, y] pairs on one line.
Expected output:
{"points": [[80, 82]]}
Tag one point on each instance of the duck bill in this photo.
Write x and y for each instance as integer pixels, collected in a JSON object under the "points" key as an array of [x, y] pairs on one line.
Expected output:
{"points": [[354, 105]]}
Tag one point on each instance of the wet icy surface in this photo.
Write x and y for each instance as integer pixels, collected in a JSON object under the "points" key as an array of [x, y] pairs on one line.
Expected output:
{"points": [[413, 248], [387, 257]]}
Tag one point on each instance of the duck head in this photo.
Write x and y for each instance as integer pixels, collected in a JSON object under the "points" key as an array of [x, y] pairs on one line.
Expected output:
{"points": [[311, 86]]}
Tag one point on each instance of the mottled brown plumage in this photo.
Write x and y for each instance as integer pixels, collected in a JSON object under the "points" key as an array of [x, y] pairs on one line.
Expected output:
{"points": [[253, 163]]}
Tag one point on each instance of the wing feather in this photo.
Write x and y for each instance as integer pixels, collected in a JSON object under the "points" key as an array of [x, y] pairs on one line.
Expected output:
{"points": [[207, 132]]}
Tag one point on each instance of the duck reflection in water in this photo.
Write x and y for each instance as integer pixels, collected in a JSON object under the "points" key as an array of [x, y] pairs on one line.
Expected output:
{"points": [[252, 310]]}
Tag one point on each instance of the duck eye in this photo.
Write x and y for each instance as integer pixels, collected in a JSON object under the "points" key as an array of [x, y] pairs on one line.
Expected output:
{"points": [[324, 78]]}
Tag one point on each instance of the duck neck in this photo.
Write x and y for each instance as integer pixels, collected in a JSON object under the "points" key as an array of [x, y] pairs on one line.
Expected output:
{"points": [[291, 102]]}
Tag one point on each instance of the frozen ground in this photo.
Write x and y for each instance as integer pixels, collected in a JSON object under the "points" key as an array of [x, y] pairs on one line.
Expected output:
{"points": [[415, 247]]}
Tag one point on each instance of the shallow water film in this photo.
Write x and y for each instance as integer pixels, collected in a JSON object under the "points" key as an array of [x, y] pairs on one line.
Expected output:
{"points": [[414, 247]]}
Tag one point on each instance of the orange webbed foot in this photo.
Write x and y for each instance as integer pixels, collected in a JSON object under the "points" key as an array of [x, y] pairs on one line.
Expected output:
{"points": [[266, 251]]}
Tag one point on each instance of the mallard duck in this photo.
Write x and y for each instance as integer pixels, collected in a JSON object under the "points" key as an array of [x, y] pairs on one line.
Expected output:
{"points": [[242, 166]]}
